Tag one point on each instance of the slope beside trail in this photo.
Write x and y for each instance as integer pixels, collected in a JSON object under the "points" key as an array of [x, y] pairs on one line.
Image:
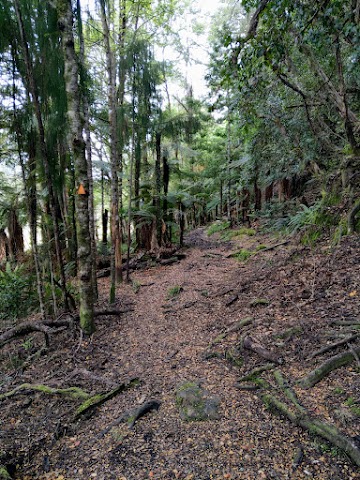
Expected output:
{"points": [[173, 335]]}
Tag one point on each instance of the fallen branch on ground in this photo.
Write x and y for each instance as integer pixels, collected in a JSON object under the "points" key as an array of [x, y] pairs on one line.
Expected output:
{"points": [[328, 366], [272, 247], [250, 344], [346, 323], [95, 401], [314, 426], [132, 416], [73, 392]]}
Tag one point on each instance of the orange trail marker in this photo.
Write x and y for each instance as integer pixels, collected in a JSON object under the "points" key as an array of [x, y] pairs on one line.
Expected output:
{"points": [[81, 190]]}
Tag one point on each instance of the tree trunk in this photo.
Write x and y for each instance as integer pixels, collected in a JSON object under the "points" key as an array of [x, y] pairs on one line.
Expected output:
{"points": [[65, 19], [16, 239], [85, 105], [157, 199], [4, 246], [116, 255]]}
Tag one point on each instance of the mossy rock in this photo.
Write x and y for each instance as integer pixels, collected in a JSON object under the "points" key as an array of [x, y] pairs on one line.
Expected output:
{"points": [[195, 404], [263, 302]]}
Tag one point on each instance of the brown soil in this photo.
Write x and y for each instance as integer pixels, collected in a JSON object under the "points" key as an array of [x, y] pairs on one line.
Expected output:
{"points": [[167, 340]]}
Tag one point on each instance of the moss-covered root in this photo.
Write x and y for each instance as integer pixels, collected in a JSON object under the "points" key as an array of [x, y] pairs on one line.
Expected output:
{"points": [[328, 432], [97, 400], [4, 474], [73, 392], [328, 366]]}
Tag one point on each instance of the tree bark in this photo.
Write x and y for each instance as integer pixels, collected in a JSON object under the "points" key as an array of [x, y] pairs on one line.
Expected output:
{"points": [[65, 20], [116, 255], [85, 106]]}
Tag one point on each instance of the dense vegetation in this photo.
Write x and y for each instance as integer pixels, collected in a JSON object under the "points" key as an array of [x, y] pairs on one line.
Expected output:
{"points": [[94, 137]]}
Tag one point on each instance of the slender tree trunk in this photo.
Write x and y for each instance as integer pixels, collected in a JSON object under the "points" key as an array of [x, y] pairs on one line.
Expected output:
{"points": [[132, 159], [157, 199], [228, 168], [65, 19], [166, 181], [116, 255], [85, 105], [349, 127]]}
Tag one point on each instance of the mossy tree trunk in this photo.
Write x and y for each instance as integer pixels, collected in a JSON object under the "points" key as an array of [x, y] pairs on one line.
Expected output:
{"points": [[77, 143]]}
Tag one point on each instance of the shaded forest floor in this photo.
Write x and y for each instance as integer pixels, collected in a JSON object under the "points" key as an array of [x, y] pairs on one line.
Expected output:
{"points": [[184, 324]]}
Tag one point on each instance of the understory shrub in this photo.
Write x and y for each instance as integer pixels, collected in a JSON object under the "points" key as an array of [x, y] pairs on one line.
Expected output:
{"points": [[217, 227], [17, 292]]}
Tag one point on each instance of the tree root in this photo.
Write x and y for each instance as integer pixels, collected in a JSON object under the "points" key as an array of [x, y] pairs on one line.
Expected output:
{"points": [[73, 392], [314, 426], [327, 348], [26, 327], [132, 416], [48, 327], [250, 344], [254, 373], [234, 328], [325, 368], [96, 400]]}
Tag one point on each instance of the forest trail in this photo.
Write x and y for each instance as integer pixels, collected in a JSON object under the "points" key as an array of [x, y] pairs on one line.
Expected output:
{"points": [[181, 330]]}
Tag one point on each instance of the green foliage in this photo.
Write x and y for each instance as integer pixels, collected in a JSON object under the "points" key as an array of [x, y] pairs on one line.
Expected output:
{"points": [[247, 231], [338, 391], [174, 291], [217, 227], [231, 233], [243, 255], [17, 294]]}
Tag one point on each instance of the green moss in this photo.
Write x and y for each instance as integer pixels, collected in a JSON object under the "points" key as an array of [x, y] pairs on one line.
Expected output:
{"points": [[174, 291], [136, 286], [247, 231], [243, 255], [219, 338], [290, 332], [73, 392], [259, 302], [4, 474], [88, 403]]}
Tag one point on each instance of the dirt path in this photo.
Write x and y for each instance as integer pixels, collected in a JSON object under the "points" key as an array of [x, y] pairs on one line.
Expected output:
{"points": [[164, 343]]}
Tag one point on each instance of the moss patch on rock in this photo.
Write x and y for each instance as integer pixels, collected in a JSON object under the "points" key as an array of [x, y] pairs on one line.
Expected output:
{"points": [[195, 404]]}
